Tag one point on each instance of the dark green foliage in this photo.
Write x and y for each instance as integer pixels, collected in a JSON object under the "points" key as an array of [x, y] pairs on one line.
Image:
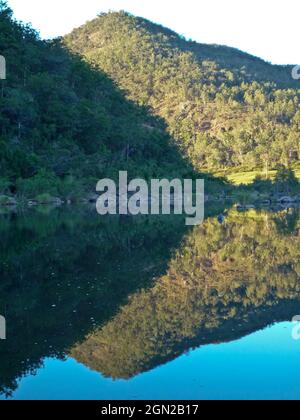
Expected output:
{"points": [[62, 275], [59, 115], [286, 179], [121, 93]]}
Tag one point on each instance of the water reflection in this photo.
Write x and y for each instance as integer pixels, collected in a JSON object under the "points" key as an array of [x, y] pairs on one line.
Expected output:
{"points": [[124, 295]]}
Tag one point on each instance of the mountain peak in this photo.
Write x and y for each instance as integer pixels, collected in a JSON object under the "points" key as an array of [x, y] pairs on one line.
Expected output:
{"points": [[223, 107]]}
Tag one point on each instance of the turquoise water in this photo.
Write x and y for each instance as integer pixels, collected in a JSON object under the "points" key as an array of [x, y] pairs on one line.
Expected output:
{"points": [[265, 365], [148, 309]]}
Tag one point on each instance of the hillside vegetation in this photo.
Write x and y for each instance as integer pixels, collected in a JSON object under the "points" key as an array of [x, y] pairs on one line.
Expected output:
{"points": [[225, 109], [64, 125], [121, 93]]}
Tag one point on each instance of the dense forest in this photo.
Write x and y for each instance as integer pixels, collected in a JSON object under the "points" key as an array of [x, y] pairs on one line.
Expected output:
{"points": [[121, 93], [64, 125], [224, 108]]}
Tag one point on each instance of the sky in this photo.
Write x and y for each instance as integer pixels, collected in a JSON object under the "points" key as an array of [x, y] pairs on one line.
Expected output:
{"points": [[265, 28]]}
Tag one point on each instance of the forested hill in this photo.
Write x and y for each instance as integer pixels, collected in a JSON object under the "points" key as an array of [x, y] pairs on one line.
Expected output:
{"points": [[123, 27], [121, 93], [224, 108], [64, 125]]}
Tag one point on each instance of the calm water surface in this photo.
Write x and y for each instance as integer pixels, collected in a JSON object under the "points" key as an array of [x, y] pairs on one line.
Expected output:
{"points": [[145, 308]]}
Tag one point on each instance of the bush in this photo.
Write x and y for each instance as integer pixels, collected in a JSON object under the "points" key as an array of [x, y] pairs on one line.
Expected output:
{"points": [[7, 201], [4, 185], [286, 180], [44, 198], [261, 184], [70, 188], [43, 182]]}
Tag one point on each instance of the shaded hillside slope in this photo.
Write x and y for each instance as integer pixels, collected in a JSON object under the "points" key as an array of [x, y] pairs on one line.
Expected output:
{"points": [[65, 125]]}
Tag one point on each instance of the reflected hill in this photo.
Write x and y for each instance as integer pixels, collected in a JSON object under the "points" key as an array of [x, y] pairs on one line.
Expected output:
{"points": [[224, 282], [67, 272], [123, 295]]}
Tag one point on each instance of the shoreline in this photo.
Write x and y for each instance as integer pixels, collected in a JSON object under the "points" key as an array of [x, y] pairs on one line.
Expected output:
{"points": [[248, 202]]}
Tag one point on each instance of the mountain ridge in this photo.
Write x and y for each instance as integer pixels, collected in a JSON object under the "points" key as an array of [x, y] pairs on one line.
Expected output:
{"points": [[220, 115], [122, 93], [203, 50]]}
